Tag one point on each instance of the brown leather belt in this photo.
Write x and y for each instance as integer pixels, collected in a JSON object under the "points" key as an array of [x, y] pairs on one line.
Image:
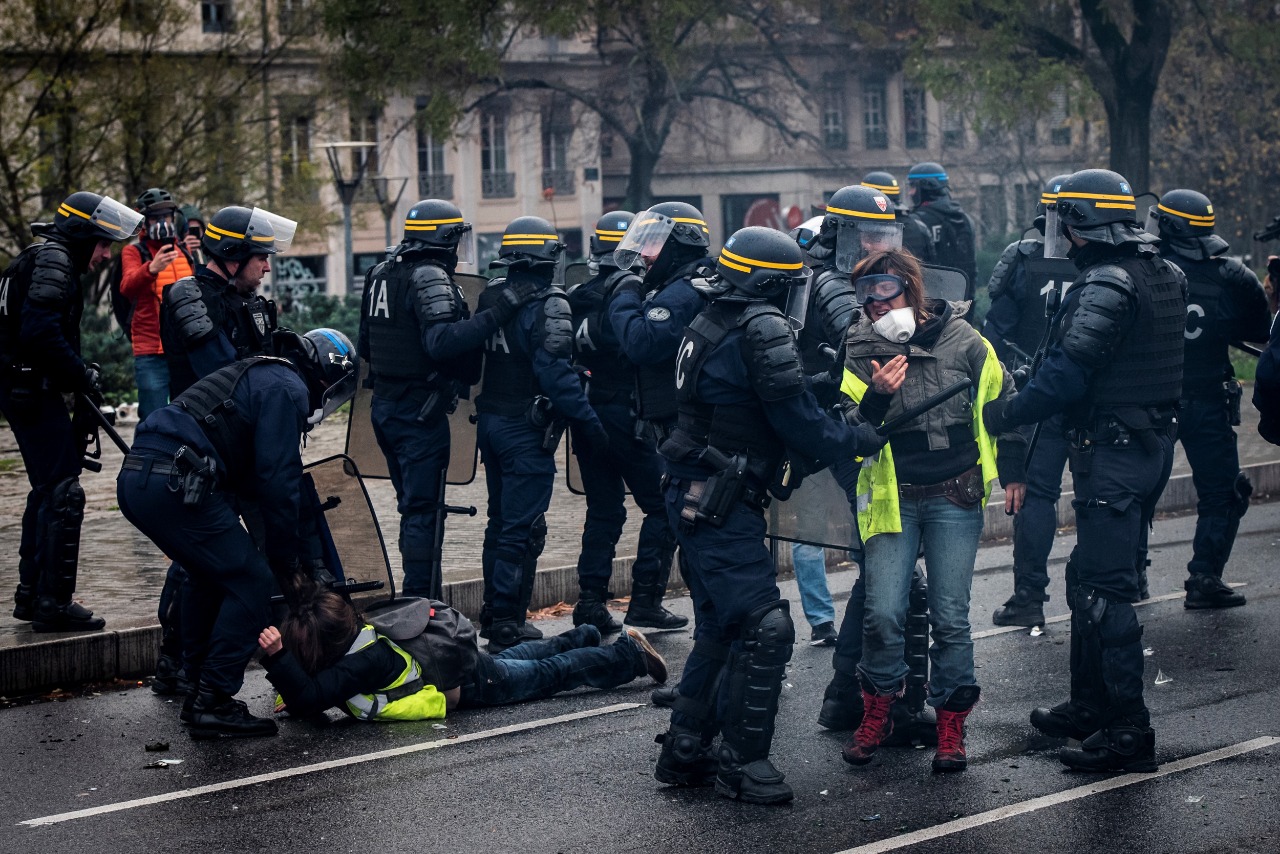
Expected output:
{"points": [[966, 486]]}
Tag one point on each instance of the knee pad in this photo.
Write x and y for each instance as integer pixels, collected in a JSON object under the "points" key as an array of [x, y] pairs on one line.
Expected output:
{"points": [[1242, 489], [66, 499], [538, 537], [1119, 626], [1089, 607], [768, 633]]}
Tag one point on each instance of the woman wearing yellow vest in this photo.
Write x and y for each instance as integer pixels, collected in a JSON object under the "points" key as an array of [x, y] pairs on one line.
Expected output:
{"points": [[325, 655], [927, 487]]}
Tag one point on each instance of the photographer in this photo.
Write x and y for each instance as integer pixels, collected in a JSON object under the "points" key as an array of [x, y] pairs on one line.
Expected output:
{"points": [[158, 259]]}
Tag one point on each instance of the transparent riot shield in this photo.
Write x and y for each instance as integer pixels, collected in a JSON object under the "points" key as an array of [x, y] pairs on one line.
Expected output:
{"points": [[362, 445], [817, 513], [345, 533], [572, 471], [946, 283]]}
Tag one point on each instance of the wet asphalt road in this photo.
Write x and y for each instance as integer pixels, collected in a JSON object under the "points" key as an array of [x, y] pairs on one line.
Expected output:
{"points": [[584, 785]]}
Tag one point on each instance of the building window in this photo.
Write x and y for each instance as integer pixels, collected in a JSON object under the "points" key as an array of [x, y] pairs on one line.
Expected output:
{"points": [[914, 125], [216, 16], [295, 139], [495, 181], [1059, 119], [364, 128], [952, 127], [875, 134], [834, 131], [433, 183], [557, 133]]}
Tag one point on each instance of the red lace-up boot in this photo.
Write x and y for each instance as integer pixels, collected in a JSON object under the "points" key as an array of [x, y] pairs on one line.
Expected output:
{"points": [[950, 755]]}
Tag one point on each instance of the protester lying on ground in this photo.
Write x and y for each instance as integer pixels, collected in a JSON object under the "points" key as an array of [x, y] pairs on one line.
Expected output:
{"points": [[326, 654]]}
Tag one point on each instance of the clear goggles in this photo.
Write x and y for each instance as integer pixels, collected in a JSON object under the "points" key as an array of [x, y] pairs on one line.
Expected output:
{"points": [[877, 286]]}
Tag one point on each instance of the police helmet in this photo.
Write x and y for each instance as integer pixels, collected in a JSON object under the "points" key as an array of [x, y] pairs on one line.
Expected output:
{"points": [[237, 233], [327, 361], [859, 220], [1048, 199], [927, 180], [1098, 206], [89, 216], [434, 222], [608, 233], [689, 225], [761, 262], [154, 202], [1184, 219], [885, 183], [531, 241]]}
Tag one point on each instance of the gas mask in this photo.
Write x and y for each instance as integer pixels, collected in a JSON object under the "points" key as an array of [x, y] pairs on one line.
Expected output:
{"points": [[897, 325], [161, 230]]}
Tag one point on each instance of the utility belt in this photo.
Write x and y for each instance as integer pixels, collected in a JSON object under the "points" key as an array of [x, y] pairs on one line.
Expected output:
{"points": [[1122, 428], [652, 433], [23, 381], [441, 401], [1232, 394], [189, 473], [713, 499], [964, 490]]}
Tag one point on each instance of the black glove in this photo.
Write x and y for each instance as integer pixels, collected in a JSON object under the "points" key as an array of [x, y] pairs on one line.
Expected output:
{"points": [[512, 296], [286, 342], [869, 441], [590, 441], [1021, 377], [994, 417], [630, 284], [93, 383]]}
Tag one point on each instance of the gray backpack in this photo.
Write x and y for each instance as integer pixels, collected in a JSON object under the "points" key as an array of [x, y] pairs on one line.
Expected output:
{"points": [[439, 638]]}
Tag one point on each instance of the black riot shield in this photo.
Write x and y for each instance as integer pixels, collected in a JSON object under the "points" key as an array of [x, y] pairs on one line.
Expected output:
{"points": [[347, 537], [1047, 279], [576, 273], [362, 445], [817, 513], [946, 283]]}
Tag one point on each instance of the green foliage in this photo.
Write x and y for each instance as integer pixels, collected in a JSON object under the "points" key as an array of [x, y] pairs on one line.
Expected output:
{"points": [[102, 342], [321, 310]]}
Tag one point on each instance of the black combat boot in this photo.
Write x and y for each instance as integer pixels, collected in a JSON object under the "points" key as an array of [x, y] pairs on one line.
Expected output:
{"points": [[1067, 720], [1124, 745], [53, 616], [592, 608], [841, 703], [686, 759], [170, 679], [1024, 608], [24, 603], [752, 781], [664, 698], [503, 635], [646, 610], [215, 714], [1208, 591]]}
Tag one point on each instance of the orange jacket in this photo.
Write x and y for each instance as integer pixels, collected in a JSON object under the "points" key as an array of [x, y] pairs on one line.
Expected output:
{"points": [[139, 286]]}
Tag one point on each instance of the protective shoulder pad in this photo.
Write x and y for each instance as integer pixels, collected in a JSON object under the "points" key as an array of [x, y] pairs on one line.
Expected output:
{"points": [[833, 300], [773, 360], [617, 278], [435, 295], [557, 325], [185, 303], [53, 277], [1002, 275], [1107, 298]]}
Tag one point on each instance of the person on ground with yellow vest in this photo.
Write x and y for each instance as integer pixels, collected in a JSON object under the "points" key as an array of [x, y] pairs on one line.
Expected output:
{"points": [[928, 486], [326, 655]]}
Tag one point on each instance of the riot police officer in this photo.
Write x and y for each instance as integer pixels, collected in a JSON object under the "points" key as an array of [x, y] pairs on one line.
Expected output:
{"points": [[1022, 285], [422, 347], [940, 232], [211, 319], [888, 185], [648, 315], [530, 392], [40, 306], [1114, 370], [223, 439], [630, 464], [1225, 303], [743, 406]]}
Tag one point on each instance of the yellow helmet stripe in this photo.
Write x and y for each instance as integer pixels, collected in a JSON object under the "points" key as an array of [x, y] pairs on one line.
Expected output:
{"points": [[1194, 219], [1116, 205], [611, 236], [432, 221], [1063, 194], [67, 210], [742, 259], [692, 221], [507, 237], [262, 238], [408, 227], [888, 190], [725, 261], [522, 243], [215, 232], [862, 215], [1048, 198]]}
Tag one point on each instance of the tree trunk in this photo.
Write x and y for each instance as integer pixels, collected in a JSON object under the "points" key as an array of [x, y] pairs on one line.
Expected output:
{"points": [[1129, 124], [644, 163]]}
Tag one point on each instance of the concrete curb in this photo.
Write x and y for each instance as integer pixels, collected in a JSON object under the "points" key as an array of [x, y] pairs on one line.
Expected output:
{"points": [[132, 652]]}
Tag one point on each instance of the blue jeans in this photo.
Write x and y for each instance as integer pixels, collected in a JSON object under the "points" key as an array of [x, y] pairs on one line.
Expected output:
{"points": [[950, 536], [151, 373], [536, 670], [811, 577]]}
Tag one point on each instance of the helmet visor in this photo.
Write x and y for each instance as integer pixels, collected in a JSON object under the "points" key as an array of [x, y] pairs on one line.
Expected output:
{"points": [[878, 286], [334, 396], [644, 240], [856, 239], [1056, 243], [798, 300], [115, 219], [1152, 225], [269, 233], [466, 244]]}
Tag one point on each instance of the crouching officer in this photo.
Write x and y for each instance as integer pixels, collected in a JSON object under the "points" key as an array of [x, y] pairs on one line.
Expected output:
{"points": [[530, 394], [1114, 368], [743, 405], [1225, 303], [211, 319], [233, 435], [423, 345], [40, 307], [630, 463]]}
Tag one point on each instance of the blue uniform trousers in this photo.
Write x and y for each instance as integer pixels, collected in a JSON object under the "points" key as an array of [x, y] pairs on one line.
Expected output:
{"points": [[1204, 429], [1036, 523]]}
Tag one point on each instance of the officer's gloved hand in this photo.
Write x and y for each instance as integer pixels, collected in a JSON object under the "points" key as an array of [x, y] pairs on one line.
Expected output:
{"points": [[93, 383], [285, 342], [1021, 376], [512, 296], [590, 441], [869, 441], [629, 285], [994, 416]]}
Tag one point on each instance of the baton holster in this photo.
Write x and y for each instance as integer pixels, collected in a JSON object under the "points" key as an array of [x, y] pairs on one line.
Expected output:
{"points": [[1234, 392], [198, 476]]}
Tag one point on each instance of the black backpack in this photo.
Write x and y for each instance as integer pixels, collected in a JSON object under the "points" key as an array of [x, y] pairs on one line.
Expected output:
{"points": [[122, 306]]}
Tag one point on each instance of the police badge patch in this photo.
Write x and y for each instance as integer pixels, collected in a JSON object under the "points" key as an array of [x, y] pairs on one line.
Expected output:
{"points": [[658, 314], [260, 321]]}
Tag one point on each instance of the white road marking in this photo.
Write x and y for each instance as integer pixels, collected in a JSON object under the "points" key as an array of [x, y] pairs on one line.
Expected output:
{"points": [[327, 766], [1001, 813]]}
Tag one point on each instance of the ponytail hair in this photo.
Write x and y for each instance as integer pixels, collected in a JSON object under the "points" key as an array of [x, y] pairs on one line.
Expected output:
{"points": [[319, 629]]}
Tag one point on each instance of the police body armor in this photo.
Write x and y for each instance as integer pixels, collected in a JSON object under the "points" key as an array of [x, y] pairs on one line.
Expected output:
{"points": [[741, 428], [51, 261], [1146, 368], [395, 333], [248, 322], [953, 242], [510, 384], [1042, 277], [1207, 335], [829, 316], [613, 377]]}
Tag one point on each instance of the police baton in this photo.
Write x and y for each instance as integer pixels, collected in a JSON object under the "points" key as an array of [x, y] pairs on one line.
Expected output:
{"points": [[923, 406], [104, 423], [1248, 348]]}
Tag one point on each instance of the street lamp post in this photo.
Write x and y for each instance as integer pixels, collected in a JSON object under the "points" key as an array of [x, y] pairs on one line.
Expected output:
{"points": [[382, 188], [348, 183]]}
